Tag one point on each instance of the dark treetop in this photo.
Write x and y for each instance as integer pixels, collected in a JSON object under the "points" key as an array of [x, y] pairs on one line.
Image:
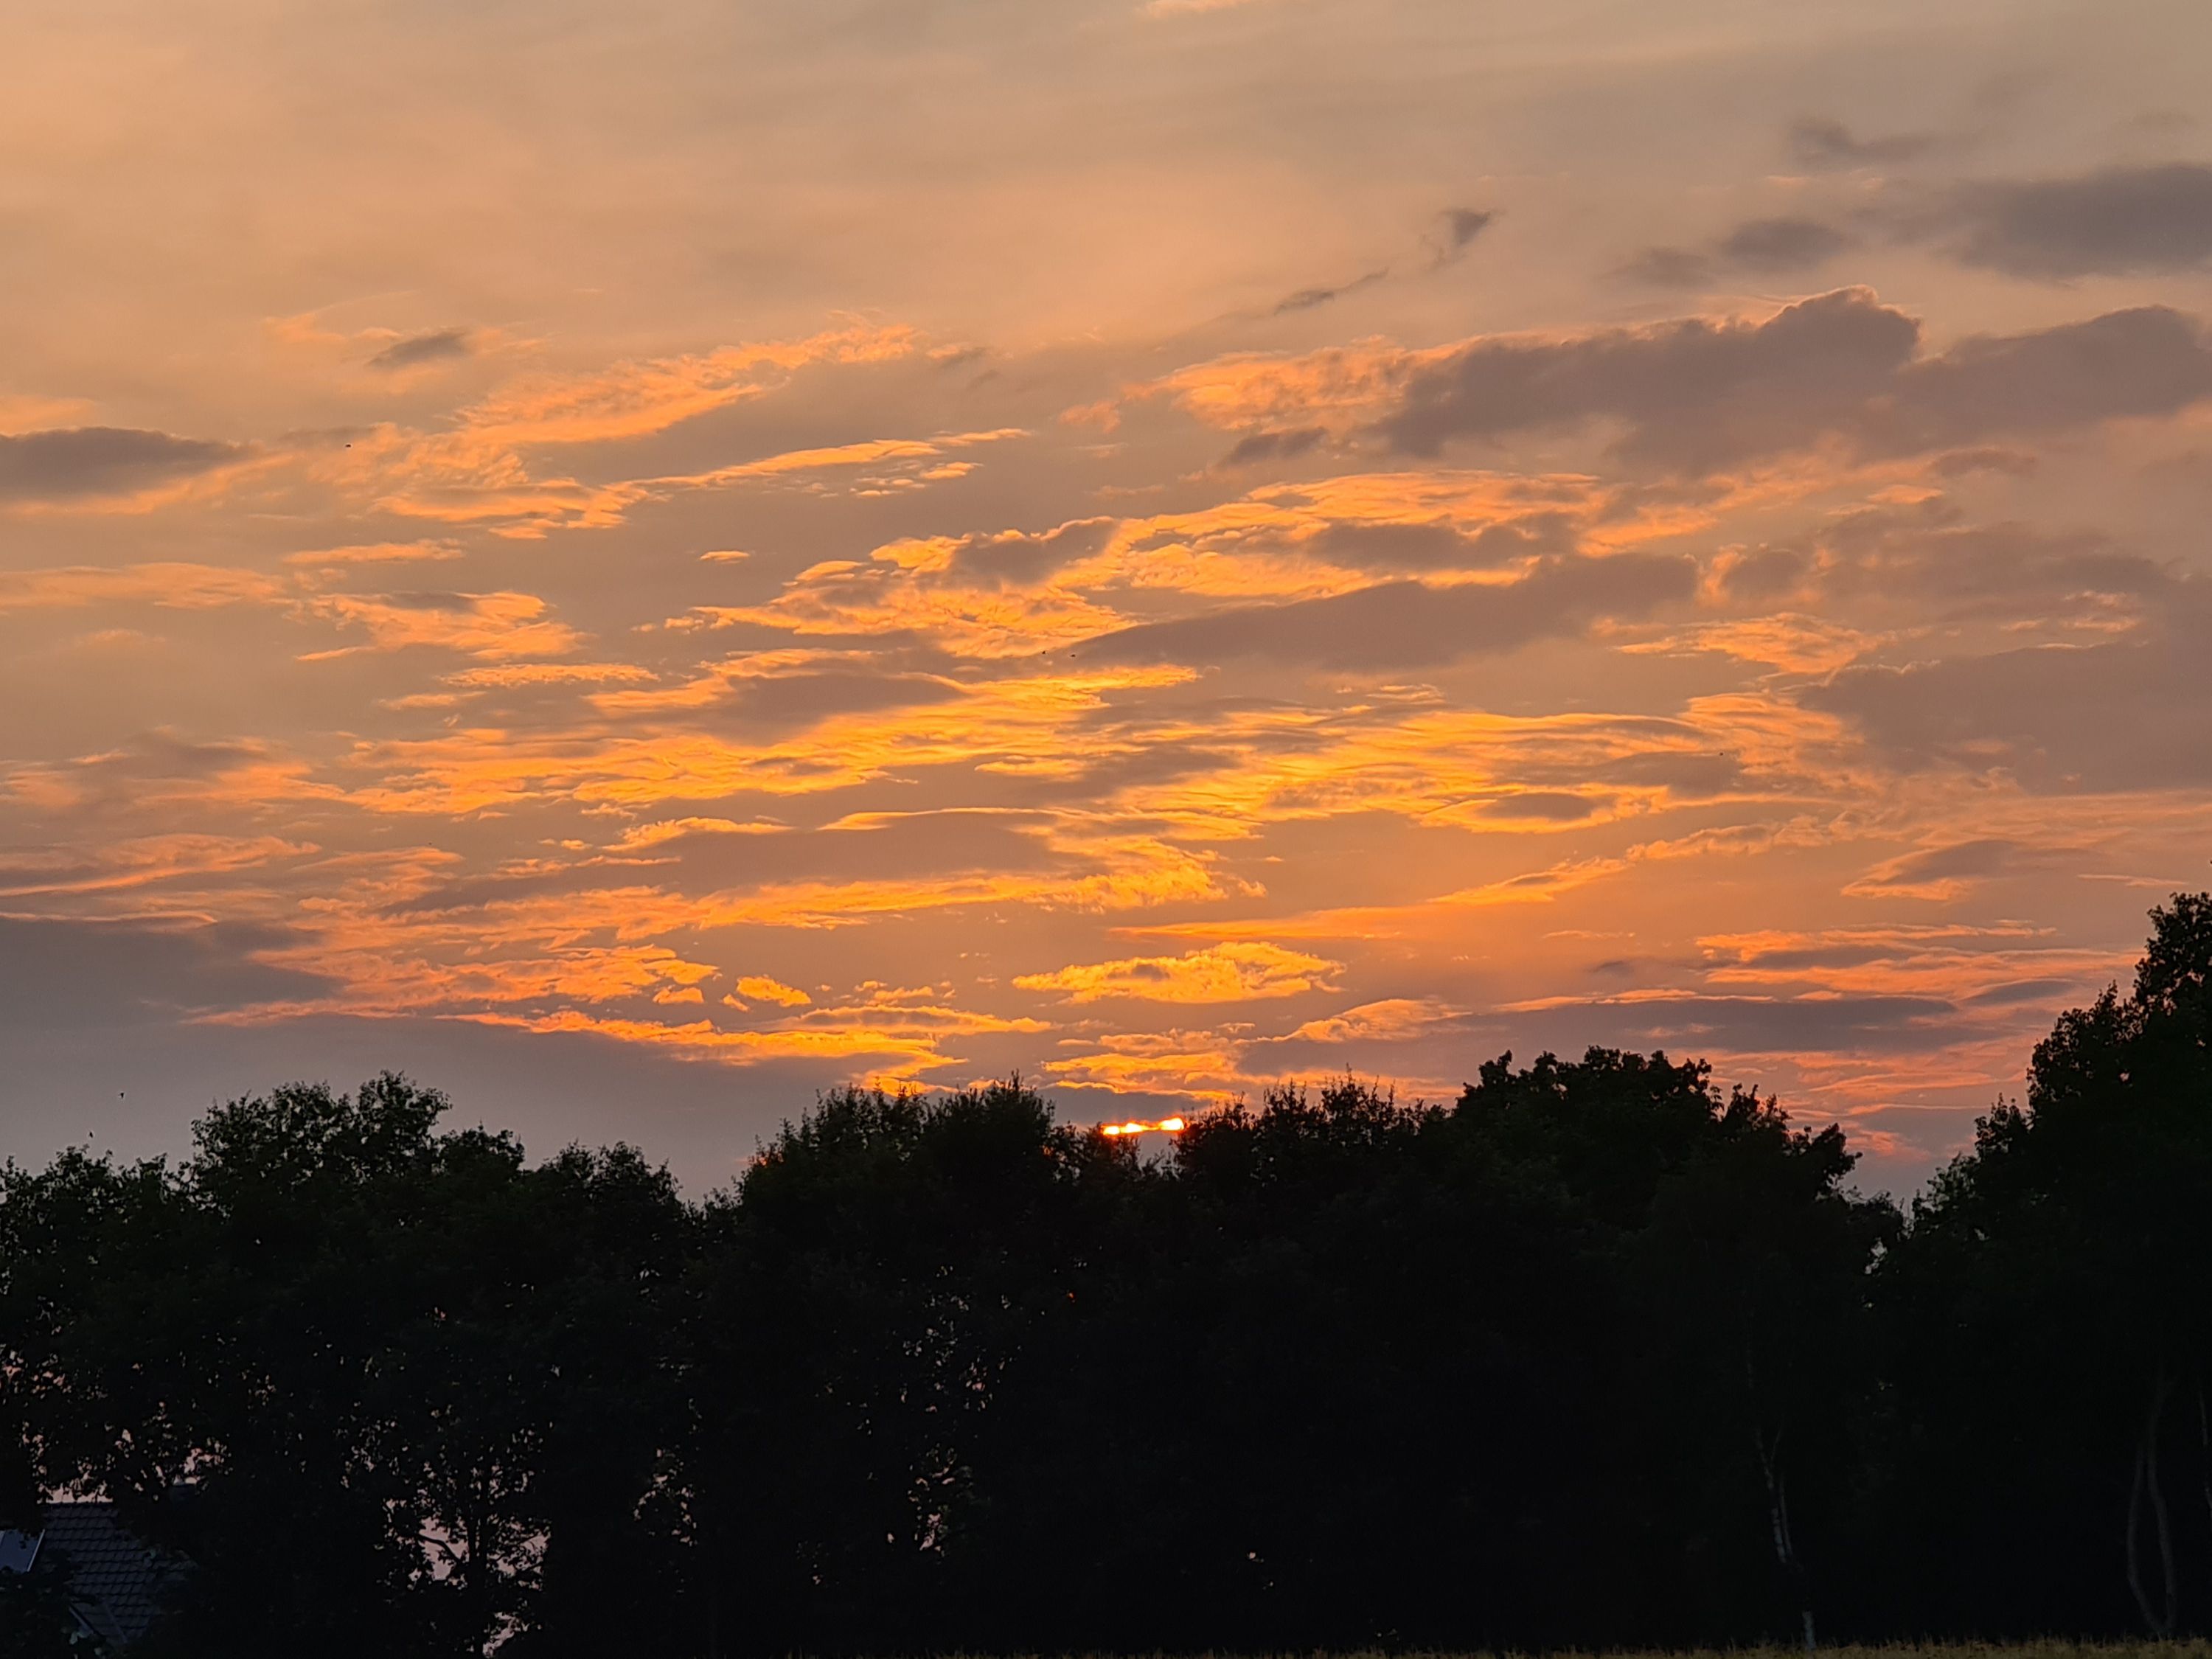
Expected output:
{"points": [[1593, 1356]]}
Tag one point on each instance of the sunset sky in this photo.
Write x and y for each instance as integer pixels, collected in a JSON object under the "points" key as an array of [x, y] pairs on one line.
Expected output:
{"points": [[636, 563]]}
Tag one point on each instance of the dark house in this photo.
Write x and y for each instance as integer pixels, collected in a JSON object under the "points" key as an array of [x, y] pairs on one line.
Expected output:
{"points": [[116, 1581]]}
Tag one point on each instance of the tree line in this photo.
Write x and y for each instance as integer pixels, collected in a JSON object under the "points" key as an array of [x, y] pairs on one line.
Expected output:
{"points": [[1596, 1355]]}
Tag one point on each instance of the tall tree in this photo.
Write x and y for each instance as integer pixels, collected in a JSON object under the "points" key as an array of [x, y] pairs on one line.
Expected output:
{"points": [[876, 1277], [380, 1383], [1598, 1354], [2051, 1331]]}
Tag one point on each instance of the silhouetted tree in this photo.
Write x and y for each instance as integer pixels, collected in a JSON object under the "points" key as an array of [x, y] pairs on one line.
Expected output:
{"points": [[872, 1281], [2050, 1319], [388, 1367], [1596, 1355], [35, 1622]]}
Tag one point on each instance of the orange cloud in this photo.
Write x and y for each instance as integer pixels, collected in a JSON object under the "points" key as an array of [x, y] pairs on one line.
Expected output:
{"points": [[138, 862], [172, 585], [636, 399], [891, 453], [472, 769], [1795, 644], [508, 675], [761, 988], [703, 1039], [641, 835], [495, 626], [1392, 1019], [1335, 389], [1221, 972], [1199, 1065], [480, 468], [332, 558]]}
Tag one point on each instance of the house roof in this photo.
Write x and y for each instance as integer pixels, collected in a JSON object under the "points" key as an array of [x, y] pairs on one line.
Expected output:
{"points": [[116, 1581]]}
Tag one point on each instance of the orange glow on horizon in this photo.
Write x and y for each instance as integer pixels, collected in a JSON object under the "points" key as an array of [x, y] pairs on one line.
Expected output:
{"points": [[1166, 1126]]}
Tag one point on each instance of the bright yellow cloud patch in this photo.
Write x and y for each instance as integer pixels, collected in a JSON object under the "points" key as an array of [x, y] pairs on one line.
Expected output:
{"points": [[1221, 973]]}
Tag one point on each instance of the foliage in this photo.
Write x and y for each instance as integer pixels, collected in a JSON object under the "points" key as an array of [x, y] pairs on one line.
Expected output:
{"points": [[35, 1622], [2049, 1329], [378, 1383], [1596, 1354]]}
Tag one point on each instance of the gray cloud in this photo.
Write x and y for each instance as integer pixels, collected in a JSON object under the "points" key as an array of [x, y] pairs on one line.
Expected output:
{"points": [[1777, 245], [1405, 622], [1543, 806], [1823, 145], [1765, 247], [1383, 546], [1016, 558], [1273, 446], [165, 753], [72, 463], [1307, 298], [1692, 1023], [1684, 1022], [1698, 394], [438, 345], [1463, 225], [1670, 267], [2150, 361], [2012, 463], [91, 974], [2051, 991], [1977, 859], [2101, 710], [1695, 392], [1764, 575], [2119, 221], [1455, 232], [1457, 229], [1880, 1024], [1687, 775], [1920, 556], [121, 777], [2134, 713]]}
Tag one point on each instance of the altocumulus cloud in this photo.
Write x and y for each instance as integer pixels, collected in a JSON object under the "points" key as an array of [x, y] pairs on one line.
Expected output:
{"points": [[1399, 623], [2130, 713], [1765, 247], [1218, 973], [1701, 394], [2121, 221], [76, 463], [1698, 395]]}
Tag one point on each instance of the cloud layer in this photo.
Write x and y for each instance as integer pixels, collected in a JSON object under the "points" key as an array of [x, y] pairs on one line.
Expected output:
{"points": [[656, 568]]}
